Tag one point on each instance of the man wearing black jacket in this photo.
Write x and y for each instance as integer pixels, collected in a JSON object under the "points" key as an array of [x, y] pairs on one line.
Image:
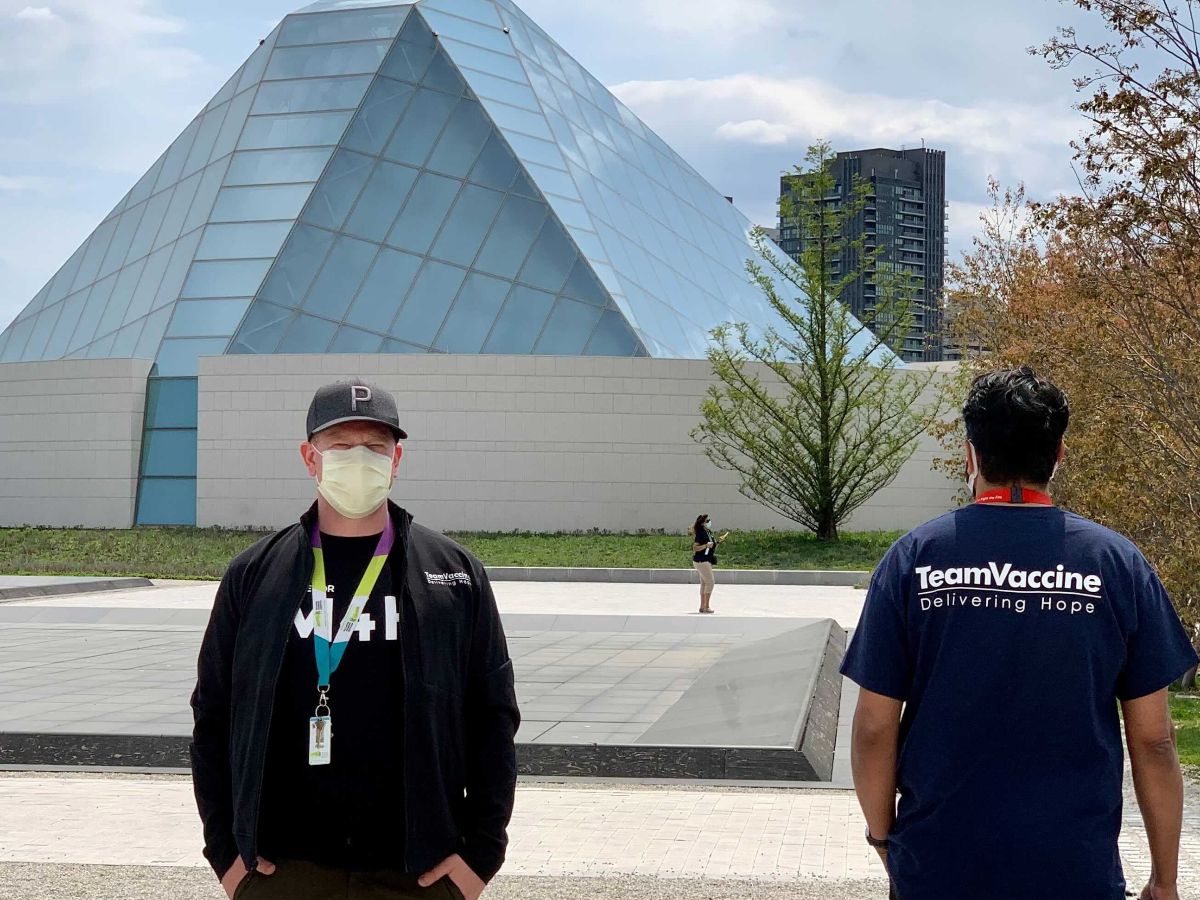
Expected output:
{"points": [[356, 624]]}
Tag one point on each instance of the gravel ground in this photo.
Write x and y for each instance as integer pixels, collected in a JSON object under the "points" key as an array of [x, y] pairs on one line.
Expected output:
{"points": [[21, 881]]}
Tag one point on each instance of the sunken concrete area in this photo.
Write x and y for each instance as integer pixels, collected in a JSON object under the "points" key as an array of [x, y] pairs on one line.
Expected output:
{"points": [[681, 696]]}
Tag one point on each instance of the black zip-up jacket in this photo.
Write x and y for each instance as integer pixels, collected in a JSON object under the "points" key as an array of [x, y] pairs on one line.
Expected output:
{"points": [[460, 708]]}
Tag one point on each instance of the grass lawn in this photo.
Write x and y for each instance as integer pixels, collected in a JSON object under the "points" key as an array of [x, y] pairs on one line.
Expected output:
{"points": [[1185, 710], [204, 553]]}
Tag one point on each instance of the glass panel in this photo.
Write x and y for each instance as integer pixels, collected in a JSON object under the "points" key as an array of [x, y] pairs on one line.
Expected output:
{"points": [[277, 166], [473, 314], [147, 286], [583, 285], [471, 32], [432, 294], [502, 89], [462, 140], [443, 76], [423, 213], [520, 322], [384, 290], [169, 453], [230, 278], [264, 326], [229, 89], [205, 318], [122, 237], [206, 139], [248, 240], [496, 166], [143, 238], [351, 340], [96, 248], [337, 190], [126, 340], [176, 156], [100, 349], [467, 224], [327, 59], [145, 185], [17, 339], [390, 346], [378, 116], [98, 305], [253, 70], [206, 193], [479, 10], [61, 338], [167, 501], [172, 280], [152, 332], [275, 201], [481, 60], [512, 118], [293, 130], [356, 25], [510, 240], [338, 282], [568, 329], [297, 265], [420, 127], [85, 327], [181, 201], [307, 335], [231, 128], [60, 286], [44, 325], [384, 196], [310, 95], [531, 149], [411, 56], [171, 402], [613, 337], [122, 295], [551, 260], [178, 356]]}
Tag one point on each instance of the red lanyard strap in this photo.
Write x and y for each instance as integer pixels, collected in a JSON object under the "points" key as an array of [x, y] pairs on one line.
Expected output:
{"points": [[1015, 494]]}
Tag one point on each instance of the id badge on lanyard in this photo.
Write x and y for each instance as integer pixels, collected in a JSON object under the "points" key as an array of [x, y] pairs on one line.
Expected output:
{"points": [[328, 647]]}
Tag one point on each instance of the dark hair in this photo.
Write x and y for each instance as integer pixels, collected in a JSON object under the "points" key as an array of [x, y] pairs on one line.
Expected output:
{"points": [[698, 524], [1016, 422]]}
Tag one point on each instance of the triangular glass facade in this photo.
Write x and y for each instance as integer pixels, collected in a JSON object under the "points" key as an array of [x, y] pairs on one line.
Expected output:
{"points": [[387, 177]]}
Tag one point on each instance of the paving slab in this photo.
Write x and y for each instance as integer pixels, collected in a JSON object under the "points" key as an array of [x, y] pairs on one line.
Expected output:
{"points": [[23, 587]]}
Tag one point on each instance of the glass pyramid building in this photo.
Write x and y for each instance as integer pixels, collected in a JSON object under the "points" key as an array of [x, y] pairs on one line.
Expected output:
{"points": [[390, 177]]}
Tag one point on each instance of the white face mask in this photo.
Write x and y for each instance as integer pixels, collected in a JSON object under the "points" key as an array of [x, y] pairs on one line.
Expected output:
{"points": [[355, 482], [974, 459]]}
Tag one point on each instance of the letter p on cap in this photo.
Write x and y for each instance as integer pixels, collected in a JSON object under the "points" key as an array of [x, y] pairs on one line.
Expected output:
{"points": [[359, 393]]}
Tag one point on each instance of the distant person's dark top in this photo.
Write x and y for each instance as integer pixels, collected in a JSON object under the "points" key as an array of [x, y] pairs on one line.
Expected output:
{"points": [[350, 813], [708, 555], [1011, 632]]}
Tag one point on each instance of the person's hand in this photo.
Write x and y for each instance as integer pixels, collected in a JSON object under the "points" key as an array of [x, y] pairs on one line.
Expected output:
{"points": [[232, 878], [1151, 892], [882, 851], [456, 869]]}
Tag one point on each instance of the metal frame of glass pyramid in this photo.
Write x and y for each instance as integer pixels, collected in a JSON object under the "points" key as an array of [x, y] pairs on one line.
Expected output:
{"points": [[436, 176]]}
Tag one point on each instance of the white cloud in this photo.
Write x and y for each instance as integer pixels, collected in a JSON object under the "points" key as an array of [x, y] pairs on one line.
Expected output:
{"points": [[754, 131], [700, 18], [36, 13], [27, 184], [758, 109]]}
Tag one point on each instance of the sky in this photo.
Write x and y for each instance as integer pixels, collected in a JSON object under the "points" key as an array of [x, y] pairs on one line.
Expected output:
{"points": [[91, 93]]}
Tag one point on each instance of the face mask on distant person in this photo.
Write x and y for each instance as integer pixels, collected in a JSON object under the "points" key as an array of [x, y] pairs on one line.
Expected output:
{"points": [[973, 471], [355, 482]]}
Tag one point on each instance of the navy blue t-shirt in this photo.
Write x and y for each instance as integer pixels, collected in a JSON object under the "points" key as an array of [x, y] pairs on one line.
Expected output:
{"points": [[1010, 633]]}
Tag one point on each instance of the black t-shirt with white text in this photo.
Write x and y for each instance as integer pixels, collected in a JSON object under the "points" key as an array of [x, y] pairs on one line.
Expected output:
{"points": [[350, 813], [708, 554], [1011, 632]]}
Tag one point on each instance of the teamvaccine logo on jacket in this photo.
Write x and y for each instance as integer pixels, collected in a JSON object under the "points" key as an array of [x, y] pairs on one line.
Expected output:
{"points": [[1008, 589]]}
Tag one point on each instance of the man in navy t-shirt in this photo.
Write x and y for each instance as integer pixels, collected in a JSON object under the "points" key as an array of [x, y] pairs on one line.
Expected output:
{"points": [[1006, 632]]}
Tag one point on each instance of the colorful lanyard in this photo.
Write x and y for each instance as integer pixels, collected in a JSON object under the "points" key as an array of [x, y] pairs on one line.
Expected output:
{"points": [[328, 648], [1016, 494]]}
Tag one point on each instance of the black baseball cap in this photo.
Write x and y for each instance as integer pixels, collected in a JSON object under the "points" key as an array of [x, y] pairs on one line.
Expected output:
{"points": [[353, 401]]}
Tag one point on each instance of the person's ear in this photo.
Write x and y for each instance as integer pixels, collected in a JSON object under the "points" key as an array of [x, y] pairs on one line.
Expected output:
{"points": [[1062, 451], [396, 458], [308, 453]]}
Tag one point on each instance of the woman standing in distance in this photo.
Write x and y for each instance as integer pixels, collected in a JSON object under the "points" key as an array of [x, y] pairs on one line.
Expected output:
{"points": [[704, 557]]}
